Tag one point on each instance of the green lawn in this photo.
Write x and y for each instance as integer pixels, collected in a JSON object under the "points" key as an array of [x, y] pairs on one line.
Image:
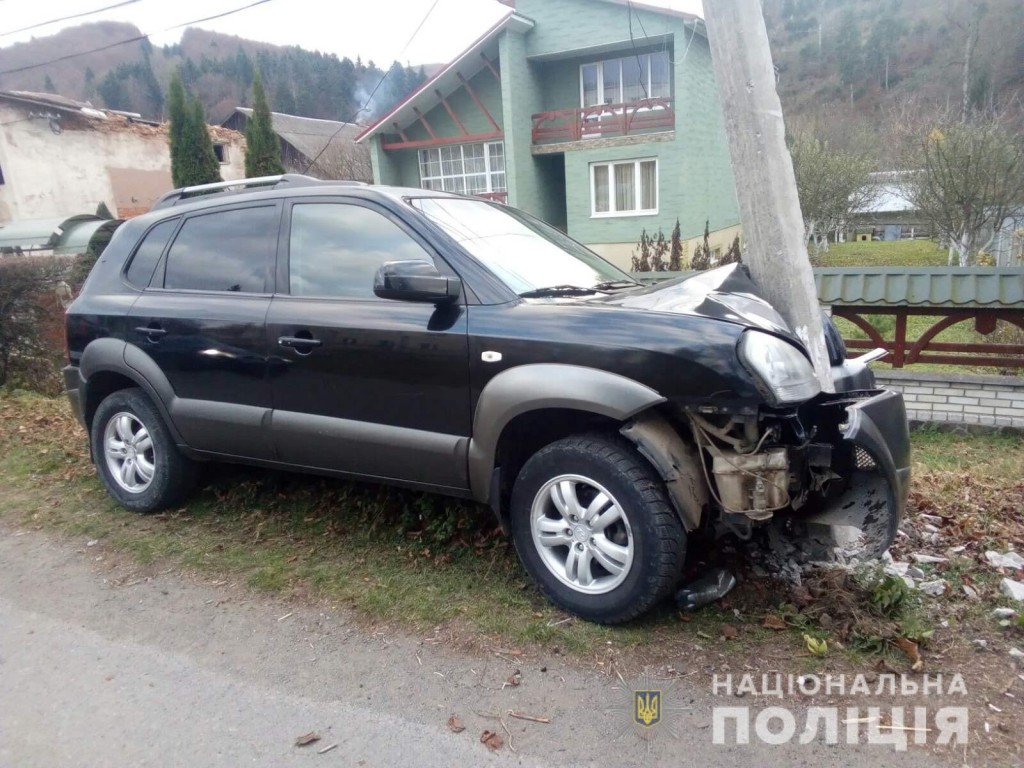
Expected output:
{"points": [[902, 253]]}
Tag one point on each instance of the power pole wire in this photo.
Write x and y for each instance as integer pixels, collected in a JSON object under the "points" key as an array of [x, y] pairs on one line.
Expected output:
{"points": [[374, 91], [135, 39], [69, 18]]}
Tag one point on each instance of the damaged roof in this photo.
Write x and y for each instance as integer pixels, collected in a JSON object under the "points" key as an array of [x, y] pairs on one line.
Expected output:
{"points": [[309, 135]]}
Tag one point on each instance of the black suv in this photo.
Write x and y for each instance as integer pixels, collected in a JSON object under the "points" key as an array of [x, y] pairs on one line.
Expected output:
{"points": [[461, 346]]}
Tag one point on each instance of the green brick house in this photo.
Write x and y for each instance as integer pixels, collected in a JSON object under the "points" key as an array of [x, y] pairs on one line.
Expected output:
{"points": [[599, 116]]}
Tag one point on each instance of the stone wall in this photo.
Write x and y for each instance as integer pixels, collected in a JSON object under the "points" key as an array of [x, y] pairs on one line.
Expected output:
{"points": [[991, 401]]}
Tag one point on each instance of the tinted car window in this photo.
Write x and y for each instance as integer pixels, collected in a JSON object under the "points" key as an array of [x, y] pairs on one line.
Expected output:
{"points": [[336, 248], [223, 251], [140, 270]]}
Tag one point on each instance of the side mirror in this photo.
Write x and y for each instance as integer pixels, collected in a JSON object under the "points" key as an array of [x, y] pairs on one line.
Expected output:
{"points": [[415, 281]]}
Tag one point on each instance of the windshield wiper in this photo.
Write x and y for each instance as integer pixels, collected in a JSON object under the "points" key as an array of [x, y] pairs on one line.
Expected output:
{"points": [[612, 285], [560, 290]]}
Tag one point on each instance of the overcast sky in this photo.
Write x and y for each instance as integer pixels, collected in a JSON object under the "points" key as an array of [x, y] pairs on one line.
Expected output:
{"points": [[372, 29]]}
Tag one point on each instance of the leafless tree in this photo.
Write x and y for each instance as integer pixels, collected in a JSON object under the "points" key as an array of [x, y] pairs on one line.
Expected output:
{"points": [[966, 177], [831, 179]]}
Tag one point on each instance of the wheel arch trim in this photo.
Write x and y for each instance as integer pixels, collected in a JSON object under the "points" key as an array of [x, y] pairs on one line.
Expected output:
{"points": [[539, 386], [118, 356]]}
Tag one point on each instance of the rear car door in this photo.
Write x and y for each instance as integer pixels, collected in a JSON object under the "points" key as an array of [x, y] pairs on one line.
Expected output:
{"points": [[364, 385], [201, 320]]}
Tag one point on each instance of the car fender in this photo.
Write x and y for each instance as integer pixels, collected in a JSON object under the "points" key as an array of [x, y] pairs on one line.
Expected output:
{"points": [[526, 388], [118, 356]]}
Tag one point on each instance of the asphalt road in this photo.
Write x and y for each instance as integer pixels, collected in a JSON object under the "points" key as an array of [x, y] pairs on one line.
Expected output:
{"points": [[100, 666]]}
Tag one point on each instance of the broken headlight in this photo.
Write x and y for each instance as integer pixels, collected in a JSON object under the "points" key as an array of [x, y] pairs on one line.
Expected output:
{"points": [[781, 367]]}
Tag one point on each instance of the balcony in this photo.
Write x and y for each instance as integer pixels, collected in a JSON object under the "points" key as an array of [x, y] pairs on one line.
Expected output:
{"points": [[604, 121]]}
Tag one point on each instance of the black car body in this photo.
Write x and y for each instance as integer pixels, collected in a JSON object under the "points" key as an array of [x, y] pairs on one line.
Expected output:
{"points": [[459, 346]]}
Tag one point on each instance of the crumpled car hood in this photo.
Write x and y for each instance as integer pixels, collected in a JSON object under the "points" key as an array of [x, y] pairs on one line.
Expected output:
{"points": [[726, 293]]}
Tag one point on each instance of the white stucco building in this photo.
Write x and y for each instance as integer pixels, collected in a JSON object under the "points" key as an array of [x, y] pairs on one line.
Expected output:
{"points": [[60, 157]]}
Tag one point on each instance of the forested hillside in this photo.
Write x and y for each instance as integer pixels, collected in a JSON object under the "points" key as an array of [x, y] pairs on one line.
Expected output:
{"points": [[863, 58], [219, 68], [848, 60]]}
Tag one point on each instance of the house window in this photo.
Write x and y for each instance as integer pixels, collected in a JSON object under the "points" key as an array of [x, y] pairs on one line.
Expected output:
{"points": [[627, 188], [631, 78], [468, 169], [221, 151]]}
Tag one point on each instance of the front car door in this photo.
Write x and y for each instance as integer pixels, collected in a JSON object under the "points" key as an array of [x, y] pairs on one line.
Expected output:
{"points": [[201, 320], [364, 385]]}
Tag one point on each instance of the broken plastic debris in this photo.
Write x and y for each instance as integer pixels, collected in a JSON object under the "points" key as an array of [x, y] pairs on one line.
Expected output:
{"points": [[715, 585]]}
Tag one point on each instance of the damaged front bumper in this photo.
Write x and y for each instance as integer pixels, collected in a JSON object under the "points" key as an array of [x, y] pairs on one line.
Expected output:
{"points": [[872, 456], [834, 471]]}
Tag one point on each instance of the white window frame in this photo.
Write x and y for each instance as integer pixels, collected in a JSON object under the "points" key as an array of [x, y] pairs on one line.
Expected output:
{"points": [[488, 171], [638, 194], [649, 84]]}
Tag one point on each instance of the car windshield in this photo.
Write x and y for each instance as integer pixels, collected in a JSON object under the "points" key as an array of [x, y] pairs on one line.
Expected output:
{"points": [[527, 254]]}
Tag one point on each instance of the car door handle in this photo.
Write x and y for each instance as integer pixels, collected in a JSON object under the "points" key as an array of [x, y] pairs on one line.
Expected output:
{"points": [[297, 342], [151, 332]]}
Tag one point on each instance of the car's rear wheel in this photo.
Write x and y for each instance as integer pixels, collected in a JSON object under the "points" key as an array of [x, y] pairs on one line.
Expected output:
{"points": [[593, 526], [135, 455]]}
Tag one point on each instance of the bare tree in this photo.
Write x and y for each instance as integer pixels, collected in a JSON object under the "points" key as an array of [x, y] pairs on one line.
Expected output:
{"points": [[343, 160], [967, 177], [832, 182]]}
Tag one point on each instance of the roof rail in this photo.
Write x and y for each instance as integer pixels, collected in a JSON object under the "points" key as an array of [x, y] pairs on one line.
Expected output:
{"points": [[237, 186]]}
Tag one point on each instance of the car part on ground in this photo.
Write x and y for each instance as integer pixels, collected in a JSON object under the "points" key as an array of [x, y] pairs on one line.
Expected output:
{"points": [[714, 585]]}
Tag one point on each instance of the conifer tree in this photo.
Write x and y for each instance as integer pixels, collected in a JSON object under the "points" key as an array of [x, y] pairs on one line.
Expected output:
{"points": [[263, 150], [193, 160]]}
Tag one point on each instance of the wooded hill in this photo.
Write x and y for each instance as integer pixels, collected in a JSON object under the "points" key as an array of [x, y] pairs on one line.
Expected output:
{"points": [[218, 67], [850, 60], [862, 58]]}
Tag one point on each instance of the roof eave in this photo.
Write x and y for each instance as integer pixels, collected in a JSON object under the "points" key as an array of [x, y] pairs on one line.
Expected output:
{"points": [[508, 20]]}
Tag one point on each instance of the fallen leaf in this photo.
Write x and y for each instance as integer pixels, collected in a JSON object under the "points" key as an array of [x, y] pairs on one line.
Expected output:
{"points": [[514, 679], [802, 595], [815, 646], [729, 632], [307, 738], [884, 667], [909, 647], [773, 621], [455, 724], [491, 739]]}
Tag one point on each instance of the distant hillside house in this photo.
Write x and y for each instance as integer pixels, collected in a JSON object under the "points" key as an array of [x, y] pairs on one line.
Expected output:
{"points": [[887, 212], [601, 125], [61, 158], [329, 143]]}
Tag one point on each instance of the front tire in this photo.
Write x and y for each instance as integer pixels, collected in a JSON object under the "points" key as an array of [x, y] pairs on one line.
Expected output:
{"points": [[135, 456], [593, 526]]}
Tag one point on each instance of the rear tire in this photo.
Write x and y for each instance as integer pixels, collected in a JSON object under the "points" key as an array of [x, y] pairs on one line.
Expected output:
{"points": [[593, 526], [135, 456]]}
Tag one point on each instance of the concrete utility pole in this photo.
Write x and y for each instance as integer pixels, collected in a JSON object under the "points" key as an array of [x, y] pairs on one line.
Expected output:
{"points": [[773, 226]]}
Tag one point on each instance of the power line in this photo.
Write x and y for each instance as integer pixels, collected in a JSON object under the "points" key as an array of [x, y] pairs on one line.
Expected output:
{"points": [[374, 91], [629, 10], [69, 18], [135, 39]]}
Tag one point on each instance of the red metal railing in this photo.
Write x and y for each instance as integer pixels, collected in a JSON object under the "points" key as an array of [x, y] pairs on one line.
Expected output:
{"points": [[924, 349], [634, 117]]}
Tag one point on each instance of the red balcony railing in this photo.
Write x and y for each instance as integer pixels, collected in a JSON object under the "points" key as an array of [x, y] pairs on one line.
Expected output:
{"points": [[604, 120]]}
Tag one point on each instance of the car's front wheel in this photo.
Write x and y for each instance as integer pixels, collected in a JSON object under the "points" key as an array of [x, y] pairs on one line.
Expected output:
{"points": [[135, 455], [594, 528]]}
